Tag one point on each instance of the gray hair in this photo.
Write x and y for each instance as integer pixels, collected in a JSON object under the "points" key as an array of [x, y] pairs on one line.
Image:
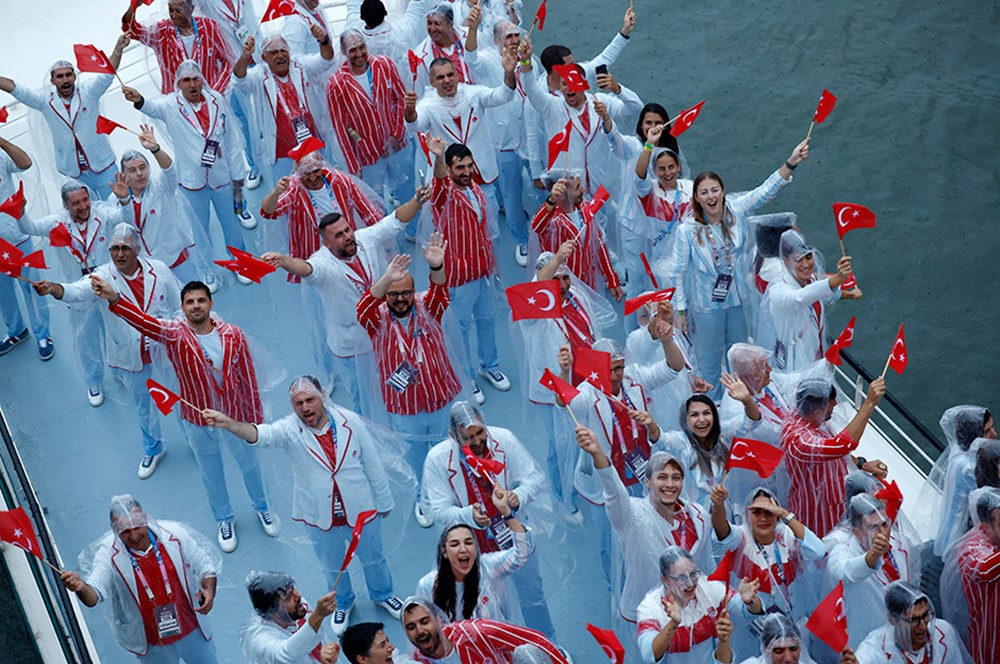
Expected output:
{"points": [[71, 186]]}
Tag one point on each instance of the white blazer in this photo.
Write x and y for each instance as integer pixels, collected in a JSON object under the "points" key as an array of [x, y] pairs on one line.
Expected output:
{"points": [[162, 299], [359, 473], [444, 489], [787, 316], [90, 247], [259, 88], [165, 222], [189, 140], [80, 121], [113, 578]]}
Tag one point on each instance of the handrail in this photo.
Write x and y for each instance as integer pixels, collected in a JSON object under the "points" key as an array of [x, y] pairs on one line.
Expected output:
{"points": [[895, 403]]}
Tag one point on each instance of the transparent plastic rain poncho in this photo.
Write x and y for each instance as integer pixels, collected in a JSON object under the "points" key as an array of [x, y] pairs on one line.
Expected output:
{"points": [[943, 498], [969, 581], [788, 323], [266, 627], [767, 228], [268, 592], [97, 563], [778, 632], [987, 462]]}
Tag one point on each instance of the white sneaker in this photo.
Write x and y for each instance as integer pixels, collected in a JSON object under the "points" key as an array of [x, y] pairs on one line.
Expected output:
{"points": [[270, 523], [149, 463], [95, 396], [497, 379], [243, 280], [521, 255], [227, 536], [247, 220], [423, 520], [253, 180], [393, 605], [477, 394], [341, 617]]}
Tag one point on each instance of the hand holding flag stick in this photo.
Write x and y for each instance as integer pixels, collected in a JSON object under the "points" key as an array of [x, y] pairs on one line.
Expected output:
{"points": [[89, 58], [851, 216], [898, 358], [562, 389], [165, 399], [16, 529], [826, 103]]}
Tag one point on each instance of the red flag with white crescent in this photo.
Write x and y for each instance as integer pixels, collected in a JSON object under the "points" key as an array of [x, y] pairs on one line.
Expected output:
{"points": [[686, 119], [659, 296], [14, 206], [829, 621], [844, 340], [164, 399], [899, 358], [540, 16], [489, 466], [601, 197], [13, 260], [609, 643], [560, 143], [415, 63], [593, 366], [92, 59], [535, 299], [561, 388], [851, 216], [573, 76], [359, 525], [277, 9], [246, 264], [16, 528], [754, 455], [826, 103]]}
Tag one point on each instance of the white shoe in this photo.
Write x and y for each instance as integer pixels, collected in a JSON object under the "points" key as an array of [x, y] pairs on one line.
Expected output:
{"points": [[95, 396], [423, 520], [341, 618], [477, 394], [149, 463], [227, 536], [247, 220], [497, 379], [253, 180], [243, 280], [270, 523], [521, 255], [393, 605]]}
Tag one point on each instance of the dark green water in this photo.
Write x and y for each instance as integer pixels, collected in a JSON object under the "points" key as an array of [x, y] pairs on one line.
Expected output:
{"points": [[914, 137]]}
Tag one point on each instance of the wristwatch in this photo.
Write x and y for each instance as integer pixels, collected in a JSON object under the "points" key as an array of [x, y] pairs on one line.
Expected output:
{"points": [[788, 519]]}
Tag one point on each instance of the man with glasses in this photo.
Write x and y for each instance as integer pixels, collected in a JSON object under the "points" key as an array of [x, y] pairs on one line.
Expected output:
{"points": [[418, 378], [913, 633]]}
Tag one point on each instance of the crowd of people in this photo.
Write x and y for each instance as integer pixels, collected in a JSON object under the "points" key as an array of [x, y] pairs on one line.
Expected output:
{"points": [[436, 125]]}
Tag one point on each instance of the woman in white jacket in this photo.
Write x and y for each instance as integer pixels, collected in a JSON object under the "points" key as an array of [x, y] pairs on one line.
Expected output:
{"points": [[469, 585]]}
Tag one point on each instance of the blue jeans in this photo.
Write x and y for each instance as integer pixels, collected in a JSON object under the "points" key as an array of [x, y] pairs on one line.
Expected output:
{"points": [[476, 301], [193, 649], [135, 383], [394, 172], [241, 115], [10, 310], [713, 333], [330, 547], [510, 192], [313, 305], [597, 517], [561, 450], [206, 443], [531, 597], [88, 327], [420, 431], [99, 183], [222, 200]]}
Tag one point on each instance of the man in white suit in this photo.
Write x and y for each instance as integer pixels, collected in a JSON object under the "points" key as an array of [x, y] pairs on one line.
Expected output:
{"points": [[338, 474], [149, 284], [209, 145]]}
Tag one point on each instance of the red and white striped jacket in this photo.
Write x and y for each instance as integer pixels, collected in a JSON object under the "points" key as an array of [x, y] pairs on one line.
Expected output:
{"points": [[374, 120], [482, 641], [979, 564], [421, 344], [303, 221], [467, 231], [555, 227], [817, 462], [211, 51], [237, 397]]}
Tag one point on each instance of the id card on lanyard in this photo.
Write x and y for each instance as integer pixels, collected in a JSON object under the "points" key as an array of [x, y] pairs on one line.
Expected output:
{"points": [[497, 529], [407, 373], [167, 623]]}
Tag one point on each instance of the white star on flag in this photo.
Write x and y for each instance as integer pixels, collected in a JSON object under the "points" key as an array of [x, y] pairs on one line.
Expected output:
{"points": [[6, 256], [531, 300], [17, 533], [593, 376]]}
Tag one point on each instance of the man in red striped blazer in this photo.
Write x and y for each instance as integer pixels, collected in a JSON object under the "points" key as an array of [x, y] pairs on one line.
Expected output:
{"points": [[366, 99], [463, 217], [215, 370]]}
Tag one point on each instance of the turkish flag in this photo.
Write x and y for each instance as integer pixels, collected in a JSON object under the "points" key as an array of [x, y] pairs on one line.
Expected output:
{"points": [[164, 399], [575, 80], [892, 496], [490, 466], [850, 284], [649, 270], [277, 9], [3, 114], [826, 103], [136, 3], [593, 366], [415, 63], [609, 643], [246, 264], [851, 216], [829, 621], [92, 59], [686, 119], [601, 196], [422, 137], [13, 260], [15, 528], [754, 455], [562, 389], [535, 299], [844, 340], [899, 359], [308, 146], [724, 568], [14, 206], [60, 237], [659, 296], [540, 16], [359, 525], [560, 142], [106, 126]]}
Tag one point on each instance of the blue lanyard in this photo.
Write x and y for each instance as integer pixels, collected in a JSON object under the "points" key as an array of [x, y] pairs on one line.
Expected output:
{"points": [[782, 586], [194, 24], [159, 561]]}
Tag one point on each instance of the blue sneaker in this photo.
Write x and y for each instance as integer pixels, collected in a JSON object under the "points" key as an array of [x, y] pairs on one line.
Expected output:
{"points": [[46, 349], [8, 343]]}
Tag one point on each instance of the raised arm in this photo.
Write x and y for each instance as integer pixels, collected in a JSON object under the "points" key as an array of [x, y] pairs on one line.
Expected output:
{"points": [[20, 158], [434, 255], [396, 270], [243, 62], [148, 140]]}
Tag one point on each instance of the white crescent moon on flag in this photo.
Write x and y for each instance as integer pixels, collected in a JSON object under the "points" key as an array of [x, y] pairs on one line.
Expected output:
{"points": [[153, 393], [840, 216], [552, 300], [850, 335], [736, 447], [684, 118], [609, 652], [896, 345], [841, 616]]}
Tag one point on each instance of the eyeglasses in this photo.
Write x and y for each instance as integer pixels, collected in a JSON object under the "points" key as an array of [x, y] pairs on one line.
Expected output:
{"points": [[399, 295], [684, 579], [914, 621]]}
